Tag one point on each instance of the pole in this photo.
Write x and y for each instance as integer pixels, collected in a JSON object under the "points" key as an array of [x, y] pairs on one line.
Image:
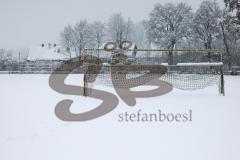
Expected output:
{"points": [[222, 74], [19, 61], [85, 89]]}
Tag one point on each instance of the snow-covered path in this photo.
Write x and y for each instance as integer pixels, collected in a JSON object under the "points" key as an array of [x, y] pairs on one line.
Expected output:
{"points": [[29, 129]]}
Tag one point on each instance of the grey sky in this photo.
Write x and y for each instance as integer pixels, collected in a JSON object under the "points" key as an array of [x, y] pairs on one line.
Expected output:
{"points": [[25, 23]]}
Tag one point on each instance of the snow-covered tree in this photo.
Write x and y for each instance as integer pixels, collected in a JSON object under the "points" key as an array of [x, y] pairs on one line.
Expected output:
{"points": [[231, 38], [98, 33], [2, 54], [139, 35], [67, 40], [83, 36], [119, 29], [206, 23], [231, 28], [9, 55], [234, 6], [77, 38], [168, 24]]}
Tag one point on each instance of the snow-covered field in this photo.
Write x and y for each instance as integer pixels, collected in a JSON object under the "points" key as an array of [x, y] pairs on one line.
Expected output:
{"points": [[31, 131]]}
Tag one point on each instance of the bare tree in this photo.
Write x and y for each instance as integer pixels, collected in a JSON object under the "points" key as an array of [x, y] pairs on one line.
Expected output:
{"points": [[168, 24]]}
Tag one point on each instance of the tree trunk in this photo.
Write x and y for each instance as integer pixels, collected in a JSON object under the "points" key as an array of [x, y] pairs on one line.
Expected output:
{"points": [[226, 46], [170, 57], [170, 53], [80, 55], [208, 47]]}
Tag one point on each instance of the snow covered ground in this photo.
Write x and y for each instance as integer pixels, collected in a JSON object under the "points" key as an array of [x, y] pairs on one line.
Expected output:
{"points": [[31, 131]]}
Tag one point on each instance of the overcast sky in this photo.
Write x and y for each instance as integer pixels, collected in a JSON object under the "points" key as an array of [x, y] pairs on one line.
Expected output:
{"points": [[25, 23]]}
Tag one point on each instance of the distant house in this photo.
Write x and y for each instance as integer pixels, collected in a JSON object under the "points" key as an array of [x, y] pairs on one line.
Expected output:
{"points": [[46, 54], [43, 58]]}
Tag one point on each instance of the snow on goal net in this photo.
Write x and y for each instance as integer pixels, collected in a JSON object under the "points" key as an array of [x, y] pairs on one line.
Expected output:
{"points": [[187, 69]]}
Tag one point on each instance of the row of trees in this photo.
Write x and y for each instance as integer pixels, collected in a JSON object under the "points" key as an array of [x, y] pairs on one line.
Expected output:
{"points": [[168, 26], [75, 38]]}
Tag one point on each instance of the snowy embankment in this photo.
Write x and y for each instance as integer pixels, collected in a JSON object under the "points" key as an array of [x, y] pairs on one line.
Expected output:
{"points": [[31, 131]]}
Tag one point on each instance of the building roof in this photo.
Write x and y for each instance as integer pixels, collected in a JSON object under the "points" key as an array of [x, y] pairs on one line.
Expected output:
{"points": [[44, 53]]}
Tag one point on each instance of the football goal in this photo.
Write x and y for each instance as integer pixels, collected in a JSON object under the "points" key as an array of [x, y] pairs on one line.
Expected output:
{"points": [[186, 69]]}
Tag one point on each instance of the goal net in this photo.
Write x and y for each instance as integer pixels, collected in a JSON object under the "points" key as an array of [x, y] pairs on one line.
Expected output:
{"points": [[187, 69]]}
